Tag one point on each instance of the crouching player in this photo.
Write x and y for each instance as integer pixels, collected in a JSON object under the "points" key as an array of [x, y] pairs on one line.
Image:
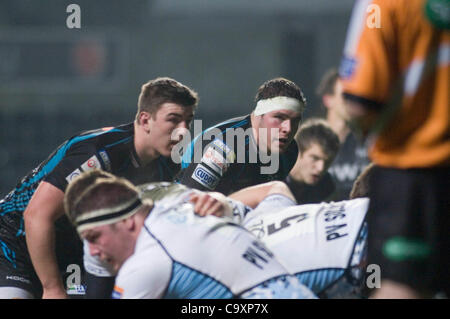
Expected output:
{"points": [[164, 250], [324, 245]]}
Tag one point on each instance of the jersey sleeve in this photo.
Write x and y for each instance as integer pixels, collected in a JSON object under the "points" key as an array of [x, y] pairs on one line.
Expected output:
{"points": [[205, 164], [71, 162], [368, 65], [239, 210], [273, 202]]}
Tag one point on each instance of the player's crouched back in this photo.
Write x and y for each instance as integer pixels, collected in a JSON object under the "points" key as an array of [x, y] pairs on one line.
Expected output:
{"points": [[165, 250]]}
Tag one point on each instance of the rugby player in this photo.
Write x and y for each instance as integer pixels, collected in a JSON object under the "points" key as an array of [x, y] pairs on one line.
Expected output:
{"points": [[309, 179], [235, 157], [352, 155], [324, 245], [164, 250], [396, 80], [99, 277], [139, 150]]}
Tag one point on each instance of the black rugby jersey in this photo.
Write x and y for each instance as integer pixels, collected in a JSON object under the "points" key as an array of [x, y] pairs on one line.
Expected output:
{"points": [[316, 193], [349, 162], [111, 149], [227, 163]]}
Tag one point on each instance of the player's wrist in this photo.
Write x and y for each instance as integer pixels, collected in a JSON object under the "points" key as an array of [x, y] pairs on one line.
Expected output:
{"points": [[227, 208]]}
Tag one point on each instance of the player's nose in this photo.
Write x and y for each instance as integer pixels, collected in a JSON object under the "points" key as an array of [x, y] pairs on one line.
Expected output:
{"points": [[94, 250], [286, 126]]}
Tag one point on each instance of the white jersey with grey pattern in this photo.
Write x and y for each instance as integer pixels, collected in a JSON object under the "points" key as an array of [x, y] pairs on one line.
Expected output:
{"points": [[165, 195], [181, 255], [324, 244]]}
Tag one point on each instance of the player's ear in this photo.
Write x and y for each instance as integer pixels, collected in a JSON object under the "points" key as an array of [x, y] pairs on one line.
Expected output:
{"points": [[144, 120], [326, 100], [129, 223]]}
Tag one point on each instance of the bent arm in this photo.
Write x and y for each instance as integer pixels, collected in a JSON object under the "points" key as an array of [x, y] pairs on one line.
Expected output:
{"points": [[44, 208], [253, 195]]}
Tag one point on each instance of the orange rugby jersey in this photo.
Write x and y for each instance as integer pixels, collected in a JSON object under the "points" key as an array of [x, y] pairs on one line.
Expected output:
{"points": [[402, 66]]}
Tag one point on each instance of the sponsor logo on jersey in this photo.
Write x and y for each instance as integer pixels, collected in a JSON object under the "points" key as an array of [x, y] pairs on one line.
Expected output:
{"points": [[220, 144], [205, 177], [117, 292], [91, 163], [76, 290], [17, 278], [73, 175], [105, 159], [345, 171], [348, 66], [215, 160], [229, 153]]}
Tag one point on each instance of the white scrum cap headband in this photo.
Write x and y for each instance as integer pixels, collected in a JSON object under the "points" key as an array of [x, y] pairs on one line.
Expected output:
{"points": [[110, 215], [279, 103]]}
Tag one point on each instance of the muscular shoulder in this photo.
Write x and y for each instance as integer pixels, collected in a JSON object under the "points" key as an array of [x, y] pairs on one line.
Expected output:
{"points": [[146, 274]]}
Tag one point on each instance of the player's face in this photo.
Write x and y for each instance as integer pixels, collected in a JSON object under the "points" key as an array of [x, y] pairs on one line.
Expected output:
{"points": [[168, 126], [111, 243], [313, 164], [275, 130]]}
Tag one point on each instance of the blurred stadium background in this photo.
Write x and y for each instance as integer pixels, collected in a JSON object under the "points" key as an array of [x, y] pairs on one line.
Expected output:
{"points": [[55, 81]]}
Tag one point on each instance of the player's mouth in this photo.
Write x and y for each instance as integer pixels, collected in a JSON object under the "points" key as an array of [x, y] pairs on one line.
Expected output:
{"points": [[283, 141]]}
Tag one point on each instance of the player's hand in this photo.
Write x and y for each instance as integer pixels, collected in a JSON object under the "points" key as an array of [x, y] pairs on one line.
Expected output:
{"points": [[55, 293], [210, 204]]}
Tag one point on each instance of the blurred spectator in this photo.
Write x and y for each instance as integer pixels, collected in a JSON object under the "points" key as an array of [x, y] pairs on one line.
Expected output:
{"points": [[309, 180], [352, 155]]}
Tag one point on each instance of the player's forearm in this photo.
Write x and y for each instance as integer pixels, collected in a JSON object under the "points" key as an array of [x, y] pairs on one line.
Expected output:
{"points": [[40, 238], [253, 195]]}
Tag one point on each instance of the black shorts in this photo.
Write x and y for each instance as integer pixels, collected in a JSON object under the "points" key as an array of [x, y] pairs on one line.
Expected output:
{"points": [[16, 268], [409, 227]]}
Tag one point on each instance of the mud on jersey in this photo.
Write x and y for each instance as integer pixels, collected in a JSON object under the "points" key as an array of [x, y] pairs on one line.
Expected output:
{"points": [[229, 165]]}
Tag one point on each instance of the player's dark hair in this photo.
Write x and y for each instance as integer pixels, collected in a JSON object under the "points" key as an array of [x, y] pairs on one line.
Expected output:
{"points": [[79, 185], [164, 90], [315, 130], [327, 83], [279, 87]]}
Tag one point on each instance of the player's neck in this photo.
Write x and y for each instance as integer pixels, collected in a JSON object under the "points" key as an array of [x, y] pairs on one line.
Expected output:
{"points": [[295, 173]]}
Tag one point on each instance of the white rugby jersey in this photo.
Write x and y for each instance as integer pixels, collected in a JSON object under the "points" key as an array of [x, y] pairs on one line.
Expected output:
{"points": [[181, 255], [322, 244], [162, 193]]}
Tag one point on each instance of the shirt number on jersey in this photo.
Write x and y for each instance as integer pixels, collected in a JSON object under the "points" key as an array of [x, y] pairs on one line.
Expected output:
{"points": [[272, 228]]}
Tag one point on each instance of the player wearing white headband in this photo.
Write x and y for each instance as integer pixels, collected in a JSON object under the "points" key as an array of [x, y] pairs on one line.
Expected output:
{"points": [[250, 149], [164, 250]]}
